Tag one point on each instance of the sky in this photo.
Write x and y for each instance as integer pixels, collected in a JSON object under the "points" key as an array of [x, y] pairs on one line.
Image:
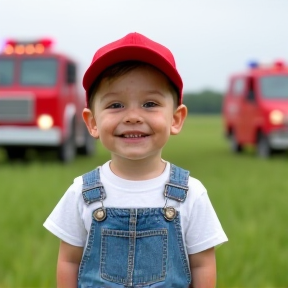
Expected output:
{"points": [[210, 39]]}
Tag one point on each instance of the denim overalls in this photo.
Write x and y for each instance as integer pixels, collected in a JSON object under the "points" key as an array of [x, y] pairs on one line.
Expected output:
{"points": [[131, 247]]}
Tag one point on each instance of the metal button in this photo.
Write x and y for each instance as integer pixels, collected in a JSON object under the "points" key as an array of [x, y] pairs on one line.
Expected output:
{"points": [[169, 213], [99, 214]]}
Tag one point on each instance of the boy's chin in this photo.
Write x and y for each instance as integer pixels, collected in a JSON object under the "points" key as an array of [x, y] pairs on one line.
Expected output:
{"points": [[137, 157]]}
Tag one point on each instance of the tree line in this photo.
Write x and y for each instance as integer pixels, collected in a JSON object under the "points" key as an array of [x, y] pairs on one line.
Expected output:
{"points": [[204, 102]]}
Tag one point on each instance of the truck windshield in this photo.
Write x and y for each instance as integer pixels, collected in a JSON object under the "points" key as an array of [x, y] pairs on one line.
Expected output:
{"points": [[274, 87], [6, 71], [38, 72], [32, 72]]}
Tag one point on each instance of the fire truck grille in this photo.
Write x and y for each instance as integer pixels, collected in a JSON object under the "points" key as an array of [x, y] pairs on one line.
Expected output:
{"points": [[16, 110]]}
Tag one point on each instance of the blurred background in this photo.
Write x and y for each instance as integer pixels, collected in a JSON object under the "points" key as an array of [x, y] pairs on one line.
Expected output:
{"points": [[210, 40]]}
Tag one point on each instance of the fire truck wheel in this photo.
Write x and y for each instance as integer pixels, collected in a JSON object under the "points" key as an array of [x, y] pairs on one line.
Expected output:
{"points": [[234, 145], [67, 151], [263, 148], [15, 153]]}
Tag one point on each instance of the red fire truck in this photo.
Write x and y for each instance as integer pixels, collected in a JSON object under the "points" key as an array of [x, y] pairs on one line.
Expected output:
{"points": [[255, 109], [40, 101]]}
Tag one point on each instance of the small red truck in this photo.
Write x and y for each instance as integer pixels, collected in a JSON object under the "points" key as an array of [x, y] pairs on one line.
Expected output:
{"points": [[40, 101], [255, 109]]}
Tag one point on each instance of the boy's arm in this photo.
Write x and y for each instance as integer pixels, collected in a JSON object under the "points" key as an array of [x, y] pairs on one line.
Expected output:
{"points": [[203, 269], [69, 259]]}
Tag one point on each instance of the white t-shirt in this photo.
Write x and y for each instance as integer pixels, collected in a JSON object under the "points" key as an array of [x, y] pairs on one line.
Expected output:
{"points": [[71, 218]]}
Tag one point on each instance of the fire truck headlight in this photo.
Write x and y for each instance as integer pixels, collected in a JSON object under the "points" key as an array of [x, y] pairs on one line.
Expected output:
{"points": [[45, 121], [276, 117]]}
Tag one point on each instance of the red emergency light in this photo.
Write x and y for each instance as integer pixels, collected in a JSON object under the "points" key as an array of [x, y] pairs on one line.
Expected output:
{"points": [[27, 47], [279, 64]]}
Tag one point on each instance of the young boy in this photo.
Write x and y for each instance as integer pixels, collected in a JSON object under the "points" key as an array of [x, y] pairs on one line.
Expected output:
{"points": [[136, 221]]}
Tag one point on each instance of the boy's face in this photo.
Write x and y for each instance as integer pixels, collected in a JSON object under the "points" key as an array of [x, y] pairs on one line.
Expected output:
{"points": [[134, 114]]}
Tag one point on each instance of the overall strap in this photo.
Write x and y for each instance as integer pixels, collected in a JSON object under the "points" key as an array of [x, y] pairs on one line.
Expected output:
{"points": [[92, 188], [177, 187]]}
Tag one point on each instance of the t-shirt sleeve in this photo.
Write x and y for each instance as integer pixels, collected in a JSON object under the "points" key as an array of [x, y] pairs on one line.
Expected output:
{"points": [[203, 229], [65, 221]]}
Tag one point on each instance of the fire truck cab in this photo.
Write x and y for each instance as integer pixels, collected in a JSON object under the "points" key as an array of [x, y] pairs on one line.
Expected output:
{"points": [[255, 109], [40, 102]]}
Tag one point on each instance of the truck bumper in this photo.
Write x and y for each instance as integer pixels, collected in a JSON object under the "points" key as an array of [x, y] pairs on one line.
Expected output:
{"points": [[29, 136], [279, 140]]}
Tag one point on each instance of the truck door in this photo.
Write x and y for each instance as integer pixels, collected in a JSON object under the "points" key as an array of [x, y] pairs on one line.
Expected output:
{"points": [[249, 112], [233, 111]]}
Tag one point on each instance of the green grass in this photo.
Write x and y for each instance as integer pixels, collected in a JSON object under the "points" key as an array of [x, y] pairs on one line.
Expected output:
{"points": [[248, 194]]}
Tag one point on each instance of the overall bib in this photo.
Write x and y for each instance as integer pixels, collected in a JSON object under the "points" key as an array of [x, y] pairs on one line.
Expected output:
{"points": [[135, 247]]}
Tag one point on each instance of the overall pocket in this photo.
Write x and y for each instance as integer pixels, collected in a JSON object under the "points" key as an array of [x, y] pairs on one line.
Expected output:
{"points": [[134, 258]]}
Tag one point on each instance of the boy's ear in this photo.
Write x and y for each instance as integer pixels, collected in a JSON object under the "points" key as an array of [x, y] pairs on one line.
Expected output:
{"points": [[90, 122], [179, 117]]}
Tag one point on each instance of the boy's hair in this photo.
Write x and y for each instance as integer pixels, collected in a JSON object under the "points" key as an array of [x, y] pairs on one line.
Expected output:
{"points": [[136, 47], [119, 69]]}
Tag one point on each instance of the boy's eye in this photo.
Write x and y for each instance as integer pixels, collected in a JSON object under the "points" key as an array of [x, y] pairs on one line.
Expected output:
{"points": [[115, 106], [149, 104]]}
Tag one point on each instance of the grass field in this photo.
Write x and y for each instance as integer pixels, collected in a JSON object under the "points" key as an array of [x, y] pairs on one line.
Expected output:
{"points": [[249, 195]]}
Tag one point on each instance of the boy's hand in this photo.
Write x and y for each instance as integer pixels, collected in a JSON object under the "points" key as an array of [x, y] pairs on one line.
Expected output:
{"points": [[203, 269], [69, 259]]}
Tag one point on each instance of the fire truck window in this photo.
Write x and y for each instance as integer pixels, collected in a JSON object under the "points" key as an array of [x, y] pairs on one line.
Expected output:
{"points": [[71, 73], [6, 72], [274, 87], [38, 72], [238, 87]]}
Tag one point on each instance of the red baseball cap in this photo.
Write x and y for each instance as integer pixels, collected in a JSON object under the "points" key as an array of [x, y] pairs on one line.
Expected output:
{"points": [[133, 46]]}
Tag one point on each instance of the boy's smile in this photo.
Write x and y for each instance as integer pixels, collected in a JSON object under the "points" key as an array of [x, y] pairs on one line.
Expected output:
{"points": [[134, 114]]}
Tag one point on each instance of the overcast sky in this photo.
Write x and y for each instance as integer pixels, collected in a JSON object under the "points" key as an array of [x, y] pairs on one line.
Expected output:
{"points": [[210, 39]]}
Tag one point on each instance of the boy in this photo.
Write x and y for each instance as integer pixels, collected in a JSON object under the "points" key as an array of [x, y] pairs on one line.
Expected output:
{"points": [[136, 221]]}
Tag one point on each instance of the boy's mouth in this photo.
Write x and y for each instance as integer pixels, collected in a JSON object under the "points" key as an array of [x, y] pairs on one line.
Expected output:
{"points": [[133, 135]]}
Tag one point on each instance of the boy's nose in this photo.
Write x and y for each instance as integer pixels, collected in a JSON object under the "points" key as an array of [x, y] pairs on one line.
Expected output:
{"points": [[133, 116]]}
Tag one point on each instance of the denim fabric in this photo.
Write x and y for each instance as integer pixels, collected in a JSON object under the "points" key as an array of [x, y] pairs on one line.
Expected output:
{"points": [[92, 188], [135, 247]]}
